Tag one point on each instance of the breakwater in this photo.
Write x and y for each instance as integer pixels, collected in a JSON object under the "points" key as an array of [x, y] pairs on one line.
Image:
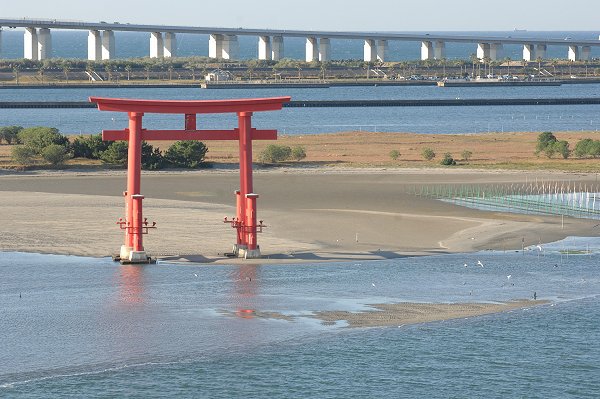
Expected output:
{"points": [[352, 103]]}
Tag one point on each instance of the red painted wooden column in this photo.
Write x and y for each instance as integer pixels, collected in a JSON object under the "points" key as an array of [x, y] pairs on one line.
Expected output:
{"points": [[248, 200], [134, 247]]}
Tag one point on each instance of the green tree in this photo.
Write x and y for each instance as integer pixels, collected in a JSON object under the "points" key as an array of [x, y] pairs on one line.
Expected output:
{"points": [[594, 149], [55, 154], [394, 154], [24, 156], [186, 154], [298, 153], [562, 147], [10, 134], [37, 138], [115, 154], [544, 141], [428, 153], [583, 148], [275, 153]]}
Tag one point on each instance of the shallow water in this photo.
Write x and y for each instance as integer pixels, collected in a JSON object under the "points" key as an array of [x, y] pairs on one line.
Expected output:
{"points": [[89, 327]]}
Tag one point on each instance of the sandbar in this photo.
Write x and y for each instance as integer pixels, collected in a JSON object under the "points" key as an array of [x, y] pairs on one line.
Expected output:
{"points": [[312, 214]]}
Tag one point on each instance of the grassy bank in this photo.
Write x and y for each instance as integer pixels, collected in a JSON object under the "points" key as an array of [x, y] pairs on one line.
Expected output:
{"points": [[504, 151]]}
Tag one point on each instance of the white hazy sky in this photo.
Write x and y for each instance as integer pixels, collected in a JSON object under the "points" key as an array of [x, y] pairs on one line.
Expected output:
{"points": [[382, 15]]}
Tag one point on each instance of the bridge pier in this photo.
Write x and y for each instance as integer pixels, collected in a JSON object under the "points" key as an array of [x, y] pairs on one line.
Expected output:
{"points": [[30, 44], [528, 52], [496, 51], [277, 48], [439, 50], [483, 50], [312, 50], [585, 53], [156, 45], [44, 46], [573, 54], [324, 49], [382, 49], [370, 50], [540, 51], [170, 45], [94, 45], [264, 48], [215, 46], [224, 47], [426, 50], [108, 45], [230, 47]]}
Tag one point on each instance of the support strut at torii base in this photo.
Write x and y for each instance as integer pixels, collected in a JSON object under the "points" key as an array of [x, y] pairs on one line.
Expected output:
{"points": [[245, 221]]}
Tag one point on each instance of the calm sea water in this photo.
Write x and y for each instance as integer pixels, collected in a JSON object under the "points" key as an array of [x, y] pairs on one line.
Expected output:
{"points": [[436, 120], [73, 44], [91, 328]]}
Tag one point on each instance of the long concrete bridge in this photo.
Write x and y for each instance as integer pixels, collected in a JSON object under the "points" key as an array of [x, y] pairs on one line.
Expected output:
{"points": [[223, 42]]}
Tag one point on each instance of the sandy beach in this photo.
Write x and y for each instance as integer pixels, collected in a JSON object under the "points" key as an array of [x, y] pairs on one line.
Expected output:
{"points": [[317, 214]]}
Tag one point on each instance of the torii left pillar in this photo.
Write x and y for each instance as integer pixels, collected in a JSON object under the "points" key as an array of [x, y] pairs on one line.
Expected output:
{"points": [[246, 246], [133, 248]]}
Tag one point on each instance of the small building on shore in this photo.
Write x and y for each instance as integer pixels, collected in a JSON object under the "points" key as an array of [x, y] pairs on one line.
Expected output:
{"points": [[218, 75]]}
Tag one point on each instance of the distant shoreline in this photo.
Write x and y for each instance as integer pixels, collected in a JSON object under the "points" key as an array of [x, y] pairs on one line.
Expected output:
{"points": [[282, 84], [452, 102]]}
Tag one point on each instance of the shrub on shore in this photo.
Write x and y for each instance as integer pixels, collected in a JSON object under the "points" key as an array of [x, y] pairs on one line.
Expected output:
{"points": [[10, 134], [115, 154], [448, 160], [55, 154], [90, 147], [24, 156], [587, 148], [466, 155], [428, 153], [186, 154], [548, 144], [298, 153], [275, 153], [37, 138], [394, 154]]}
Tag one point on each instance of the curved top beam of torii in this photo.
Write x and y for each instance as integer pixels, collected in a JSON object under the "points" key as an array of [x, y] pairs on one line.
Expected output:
{"points": [[190, 106]]}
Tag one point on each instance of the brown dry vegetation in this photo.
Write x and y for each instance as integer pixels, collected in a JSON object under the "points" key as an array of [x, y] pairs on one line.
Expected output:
{"points": [[368, 149]]}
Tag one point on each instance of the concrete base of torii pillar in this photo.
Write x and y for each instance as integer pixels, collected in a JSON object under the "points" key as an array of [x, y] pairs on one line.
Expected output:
{"points": [[244, 252], [128, 255]]}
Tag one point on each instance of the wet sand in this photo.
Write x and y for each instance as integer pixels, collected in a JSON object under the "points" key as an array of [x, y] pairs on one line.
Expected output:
{"points": [[397, 314], [400, 314], [318, 214]]}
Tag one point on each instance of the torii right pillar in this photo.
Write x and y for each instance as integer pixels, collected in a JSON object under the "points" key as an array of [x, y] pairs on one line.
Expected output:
{"points": [[247, 244]]}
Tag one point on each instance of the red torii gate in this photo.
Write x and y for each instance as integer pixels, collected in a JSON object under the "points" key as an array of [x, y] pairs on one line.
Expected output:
{"points": [[245, 222]]}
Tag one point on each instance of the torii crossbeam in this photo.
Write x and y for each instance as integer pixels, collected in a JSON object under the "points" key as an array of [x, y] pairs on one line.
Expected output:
{"points": [[245, 222]]}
